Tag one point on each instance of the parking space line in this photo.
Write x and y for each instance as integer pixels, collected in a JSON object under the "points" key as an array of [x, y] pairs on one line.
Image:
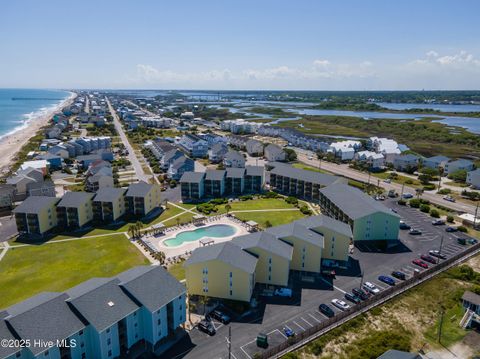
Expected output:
{"points": [[314, 318], [340, 290], [298, 325], [244, 345], [321, 314], [377, 285], [306, 321], [277, 330]]}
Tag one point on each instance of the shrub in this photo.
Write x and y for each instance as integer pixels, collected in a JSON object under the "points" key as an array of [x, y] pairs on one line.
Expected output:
{"points": [[424, 201], [425, 208], [434, 213], [429, 187], [291, 200], [270, 194], [445, 191], [218, 201], [450, 219], [305, 210], [414, 203], [246, 197], [402, 202], [268, 224], [462, 229], [409, 181]]}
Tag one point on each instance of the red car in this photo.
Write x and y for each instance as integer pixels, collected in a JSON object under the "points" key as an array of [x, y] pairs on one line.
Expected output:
{"points": [[428, 258], [420, 263]]}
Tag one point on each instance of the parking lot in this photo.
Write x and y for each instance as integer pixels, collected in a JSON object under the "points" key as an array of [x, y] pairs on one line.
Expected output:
{"points": [[301, 312]]}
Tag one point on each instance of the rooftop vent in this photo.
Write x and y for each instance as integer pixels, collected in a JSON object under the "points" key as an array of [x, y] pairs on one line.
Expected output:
{"points": [[111, 304]]}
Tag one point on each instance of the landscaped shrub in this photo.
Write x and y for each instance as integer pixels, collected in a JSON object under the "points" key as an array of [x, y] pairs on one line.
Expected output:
{"points": [[409, 181], [429, 187], [207, 208], [425, 208], [445, 191], [246, 197], [305, 210], [434, 213], [218, 201], [462, 229], [291, 200], [424, 201], [270, 194], [450, 219], [414, 203], [402, 202]]}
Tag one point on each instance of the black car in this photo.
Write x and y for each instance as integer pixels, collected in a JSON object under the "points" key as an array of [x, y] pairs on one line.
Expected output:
{"points": [[403, 225], [451, 229], [325, 309], [399, 275], [352, 298], [206, 327], [360, 293], [220, 316]]}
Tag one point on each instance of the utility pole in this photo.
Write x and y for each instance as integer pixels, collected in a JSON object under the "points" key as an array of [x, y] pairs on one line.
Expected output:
{"points": [[361, 279], [475, 217], [229, 342], [401, 194]]}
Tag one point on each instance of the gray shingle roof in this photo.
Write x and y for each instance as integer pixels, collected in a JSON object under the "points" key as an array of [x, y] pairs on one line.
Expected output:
{"points": [[461, 162], [233, 172], [101, 302], [75, 199], [254, 170], [34, 204], [215, 175], [437, 158], [304, 175], [397, 354], [471, 297], [139, 189], [353, 202], [273, 149], [173, 153], [297, 230], [192, 177], [46, 316], [321, 220], [226, 252], [5, 333], [266, 241], [233, 155], [152, 286], [181, 161], [108, 194]]}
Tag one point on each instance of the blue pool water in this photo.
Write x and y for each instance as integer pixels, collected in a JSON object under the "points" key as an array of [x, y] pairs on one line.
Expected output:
{"points": [[215, 231]]}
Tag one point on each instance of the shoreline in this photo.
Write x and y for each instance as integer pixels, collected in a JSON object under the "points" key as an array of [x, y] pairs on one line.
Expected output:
{"points": [[13, 141]]}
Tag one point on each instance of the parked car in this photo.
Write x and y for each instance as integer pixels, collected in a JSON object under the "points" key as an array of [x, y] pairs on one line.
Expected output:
{"points": [[283, 292], [436, 253], [428, 258], [415, 232], [392, 193], [220, 316], [371, 288], [387, 180], [451, 229], [288, 332], [325, 309], [449, 198], [403, 225], [206, 327], [399, 275], [361, 293], [472, 241], [386, 279], [407, 196], [438, 222], [352, 298], [393, 210], [340, 304], [420, 263], [461, 241]]}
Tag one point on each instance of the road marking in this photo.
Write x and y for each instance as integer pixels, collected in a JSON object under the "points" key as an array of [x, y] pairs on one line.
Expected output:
{"points": [[306, 321], [321, 314], [298, 325], [243, 350], [283, 335], [340, 290], [315, 318]]}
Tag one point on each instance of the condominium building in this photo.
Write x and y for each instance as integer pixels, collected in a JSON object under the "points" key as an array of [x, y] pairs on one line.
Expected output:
{"points": [[300, 183], [109, 204], [369, 219], [36, 215], [192, 185], [75, 209], [139, 310], [142, 198], [215, 183]]}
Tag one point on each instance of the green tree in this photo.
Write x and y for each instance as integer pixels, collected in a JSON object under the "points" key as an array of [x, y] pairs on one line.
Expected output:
{"points": [[228, 208], [268, 224], [458, 176]]}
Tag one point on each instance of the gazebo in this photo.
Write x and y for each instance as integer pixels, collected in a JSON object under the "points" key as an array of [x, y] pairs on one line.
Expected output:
{"points": [[158, 228], [198, 219], [206, 241], [252, 226]]}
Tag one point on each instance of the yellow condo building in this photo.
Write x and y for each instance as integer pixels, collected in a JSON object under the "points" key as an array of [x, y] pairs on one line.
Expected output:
{"points": [[36, 215], [230, 270], [141, 198]]}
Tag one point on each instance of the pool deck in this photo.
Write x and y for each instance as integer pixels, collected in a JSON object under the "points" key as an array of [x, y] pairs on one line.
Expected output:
{"points": [[186, 247]]}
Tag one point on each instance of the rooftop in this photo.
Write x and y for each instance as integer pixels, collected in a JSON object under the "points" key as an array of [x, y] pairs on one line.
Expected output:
{"points": [[308, 176], [139, 189], [215, 175], [35, 204], [266, 241], [192, 177], [75, 199], [109, 194]]}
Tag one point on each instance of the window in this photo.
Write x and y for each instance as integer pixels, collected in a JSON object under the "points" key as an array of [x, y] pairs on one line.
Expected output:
{"points": [[136, 325], [108, 330], [231, 274], [136, 336], [159, 321], [269, 277], [159, 333], [135, 314], [109, 341], [270, 260], [84, 356], [109, 353], [231, 292]]}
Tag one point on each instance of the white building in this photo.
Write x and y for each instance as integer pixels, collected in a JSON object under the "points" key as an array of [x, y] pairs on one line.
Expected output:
{"points": [[373, 159], [386, 146]]}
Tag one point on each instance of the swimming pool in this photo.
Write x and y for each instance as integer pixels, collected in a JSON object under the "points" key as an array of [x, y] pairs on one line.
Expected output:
{"points": [[214, 231]]}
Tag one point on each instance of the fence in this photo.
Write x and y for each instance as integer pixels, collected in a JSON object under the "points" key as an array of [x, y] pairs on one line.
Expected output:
{"points": [[317, 330]]}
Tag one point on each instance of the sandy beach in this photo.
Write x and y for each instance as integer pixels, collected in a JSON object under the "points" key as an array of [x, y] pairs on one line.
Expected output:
{"points": [[12, 143]]}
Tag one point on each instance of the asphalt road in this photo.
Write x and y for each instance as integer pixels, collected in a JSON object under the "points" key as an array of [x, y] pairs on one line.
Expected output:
{"points": [[344, 170], [301, 312], [131, 153]]}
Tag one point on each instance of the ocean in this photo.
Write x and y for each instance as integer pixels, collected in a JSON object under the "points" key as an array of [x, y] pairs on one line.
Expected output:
{"points": [[19, 106]]}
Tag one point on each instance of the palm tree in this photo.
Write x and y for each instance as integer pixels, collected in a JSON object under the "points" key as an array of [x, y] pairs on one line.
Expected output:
{"points": [[228, 208], [178, 221], [131, 230], [160, 256], [139, 225]]}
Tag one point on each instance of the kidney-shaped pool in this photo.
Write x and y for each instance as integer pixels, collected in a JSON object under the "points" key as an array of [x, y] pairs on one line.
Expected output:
{"points": [[214, 231]]}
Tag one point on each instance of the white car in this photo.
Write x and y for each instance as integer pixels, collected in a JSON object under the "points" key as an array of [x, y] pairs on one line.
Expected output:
{"points": [[387, 180], [449, 198], [370, 287], [283, 292], [340, 304]]}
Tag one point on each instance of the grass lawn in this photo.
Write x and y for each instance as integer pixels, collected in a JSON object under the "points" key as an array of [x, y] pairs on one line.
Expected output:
{"points": [[27, 271], [183, 218], [275, 218], [456, 184], [168, 213], [263, 203], [400, 179], [177, 270], [309, 168]]}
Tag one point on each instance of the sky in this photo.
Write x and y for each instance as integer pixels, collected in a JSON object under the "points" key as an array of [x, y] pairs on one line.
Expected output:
{"points": [[248, 44]]}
